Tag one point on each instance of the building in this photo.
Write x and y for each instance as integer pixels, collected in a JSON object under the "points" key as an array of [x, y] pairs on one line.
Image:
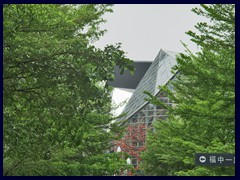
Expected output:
{"points": [[140, 113]]}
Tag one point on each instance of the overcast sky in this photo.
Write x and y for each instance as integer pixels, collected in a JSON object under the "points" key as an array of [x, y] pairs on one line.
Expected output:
{"points": [[143, 29]]}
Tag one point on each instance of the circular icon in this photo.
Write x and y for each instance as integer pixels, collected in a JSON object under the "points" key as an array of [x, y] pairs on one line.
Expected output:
{"points": [[202, 159]]}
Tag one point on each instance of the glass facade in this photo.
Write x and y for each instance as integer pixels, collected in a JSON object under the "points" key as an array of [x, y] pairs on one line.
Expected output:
{"points": [[145, 117], [140, 113]]}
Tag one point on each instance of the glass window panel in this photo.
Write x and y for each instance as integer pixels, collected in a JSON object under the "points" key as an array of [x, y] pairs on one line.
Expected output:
{"points": [[134, 120], [134, 161]]}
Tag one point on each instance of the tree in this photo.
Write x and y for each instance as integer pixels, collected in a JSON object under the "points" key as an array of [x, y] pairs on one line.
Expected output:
{"points": [[57, 101], [203, 119], [133, 142]]}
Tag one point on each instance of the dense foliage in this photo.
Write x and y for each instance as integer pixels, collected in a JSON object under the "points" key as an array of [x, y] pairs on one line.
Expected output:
{"points": [[203, 120], [57, 103]]}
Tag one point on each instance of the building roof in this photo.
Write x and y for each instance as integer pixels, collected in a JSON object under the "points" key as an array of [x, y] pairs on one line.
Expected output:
{"points": [[127, 80], [159, 73]]}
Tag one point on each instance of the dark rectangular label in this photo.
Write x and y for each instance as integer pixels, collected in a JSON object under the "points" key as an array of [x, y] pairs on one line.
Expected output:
{"points": [[214, 159]]}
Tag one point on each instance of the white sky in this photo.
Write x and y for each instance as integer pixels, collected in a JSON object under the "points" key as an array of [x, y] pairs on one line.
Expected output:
{"points": [[143, 29]]}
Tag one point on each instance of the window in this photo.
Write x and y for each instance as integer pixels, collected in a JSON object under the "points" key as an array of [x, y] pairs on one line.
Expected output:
{"points": [[162, 117], [134, 161], [134, 143], [134, 120], [140, 143]]}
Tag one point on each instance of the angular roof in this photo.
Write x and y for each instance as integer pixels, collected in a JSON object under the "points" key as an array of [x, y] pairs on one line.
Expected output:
{"points": [[127, 80], [159, 73]]}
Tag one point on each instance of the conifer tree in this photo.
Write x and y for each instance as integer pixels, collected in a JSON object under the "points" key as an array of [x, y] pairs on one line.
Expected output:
{"points": [[203, 120]]}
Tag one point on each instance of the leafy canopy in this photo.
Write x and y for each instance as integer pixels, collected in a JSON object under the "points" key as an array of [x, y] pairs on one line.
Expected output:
{"points": [[57, 101]]}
